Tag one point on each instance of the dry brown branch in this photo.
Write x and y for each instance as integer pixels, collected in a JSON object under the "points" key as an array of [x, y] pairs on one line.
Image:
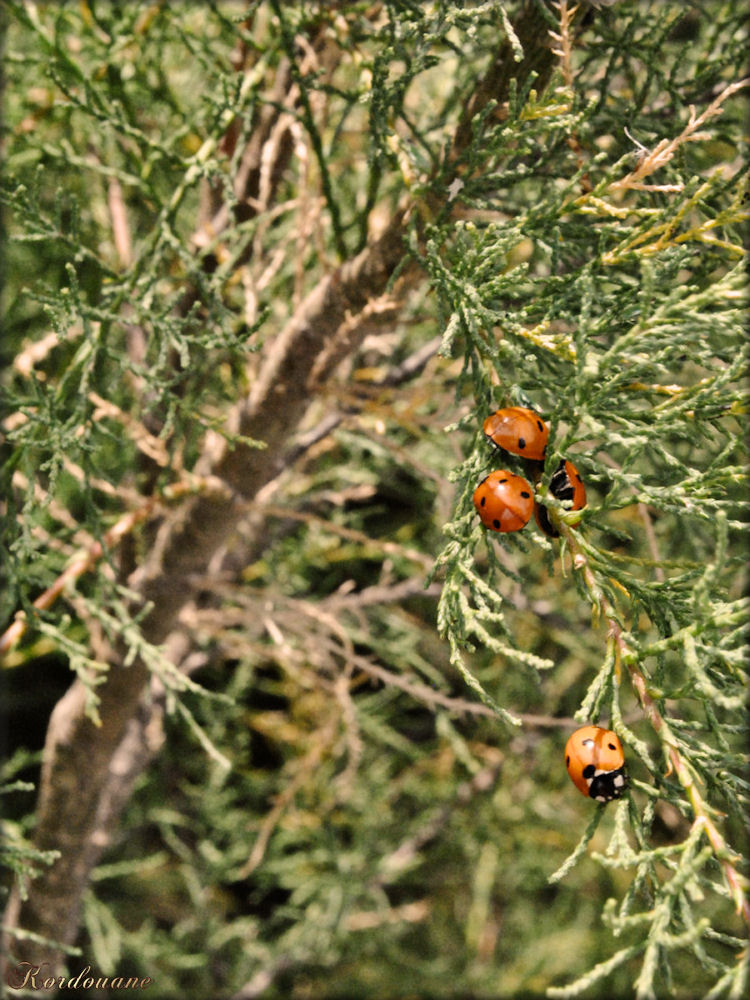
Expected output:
{"points": [[154, 447], [85, 560], [120, 225], [79, 565], [364, 920], [562, 42], [662, 153], [28, 359]]}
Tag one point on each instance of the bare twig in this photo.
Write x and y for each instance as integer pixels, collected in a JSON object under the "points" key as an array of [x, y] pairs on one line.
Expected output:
{"points": [[84, 561], [120, 225], [662, 153], [562, 42]]}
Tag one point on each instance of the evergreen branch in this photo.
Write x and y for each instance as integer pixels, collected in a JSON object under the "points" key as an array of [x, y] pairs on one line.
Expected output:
{"points": [[595, 975], [509, 718], [285, 380], [580, 848], [529, 36], [677, 763]]}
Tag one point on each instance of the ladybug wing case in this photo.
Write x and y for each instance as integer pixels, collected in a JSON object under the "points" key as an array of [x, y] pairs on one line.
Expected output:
{"points": [[596, 763]]}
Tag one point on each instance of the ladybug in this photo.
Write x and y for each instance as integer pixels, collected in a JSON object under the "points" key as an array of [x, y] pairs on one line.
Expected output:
{"points": [[518, 430], [504, 501], [565, 484], [596, 763]]}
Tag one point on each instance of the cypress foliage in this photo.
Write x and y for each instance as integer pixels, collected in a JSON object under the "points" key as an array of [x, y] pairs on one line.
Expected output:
{"points": [[268, 267]]}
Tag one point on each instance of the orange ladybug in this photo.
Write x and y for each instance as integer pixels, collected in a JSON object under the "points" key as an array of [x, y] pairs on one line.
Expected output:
{"points": [[518, 430], [596, 763], [504, 501], [565, 484]]}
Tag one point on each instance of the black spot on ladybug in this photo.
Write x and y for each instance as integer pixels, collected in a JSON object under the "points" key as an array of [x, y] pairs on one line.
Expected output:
{"points": [[611, 746], [567, 761], [483, 501], [496, 523], [524, 493], [609, 785], [521, 443], [589, 771]]}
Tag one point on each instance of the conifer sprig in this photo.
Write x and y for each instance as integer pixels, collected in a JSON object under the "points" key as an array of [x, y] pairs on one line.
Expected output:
{"points": [[672, 753]]}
